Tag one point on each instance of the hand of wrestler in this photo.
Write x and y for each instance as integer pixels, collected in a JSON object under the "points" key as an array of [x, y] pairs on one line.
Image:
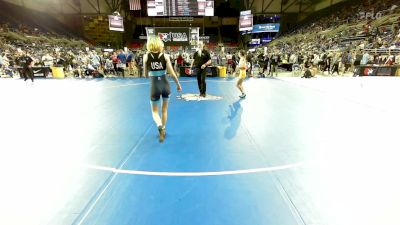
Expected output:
{"points": [[179, 88], [203, 66]]}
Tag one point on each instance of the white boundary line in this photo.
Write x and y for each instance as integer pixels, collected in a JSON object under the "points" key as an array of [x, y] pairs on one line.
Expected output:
{"points": [[93, 204], [177, 174], [171, 174], [126, 85], [96, 200], [196, 174]]}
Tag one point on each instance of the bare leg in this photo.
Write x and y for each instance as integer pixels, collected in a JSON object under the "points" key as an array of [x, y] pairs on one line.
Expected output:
{"points": [[164, 112], [157, 119], [239, 85], [156, 116]]}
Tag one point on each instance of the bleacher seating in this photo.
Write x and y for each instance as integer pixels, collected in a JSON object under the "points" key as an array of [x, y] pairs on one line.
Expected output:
{"points": [[97, 31]]}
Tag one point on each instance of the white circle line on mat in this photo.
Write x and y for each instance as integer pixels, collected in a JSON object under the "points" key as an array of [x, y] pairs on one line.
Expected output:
{"points": [[196, 174]]}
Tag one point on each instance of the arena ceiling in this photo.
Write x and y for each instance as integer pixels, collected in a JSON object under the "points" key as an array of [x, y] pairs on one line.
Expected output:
{"points": [[287, 6], [107, 6]]}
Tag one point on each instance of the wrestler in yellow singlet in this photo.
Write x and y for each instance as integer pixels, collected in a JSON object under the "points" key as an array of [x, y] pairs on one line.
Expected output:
{"points": [[242, 74]]}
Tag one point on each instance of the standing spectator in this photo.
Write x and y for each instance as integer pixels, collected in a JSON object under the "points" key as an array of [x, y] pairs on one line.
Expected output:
{"points": [[179, 60], [20, 62], [122, 56], [357, 59], [6, 64], [186, 58], [234, 63], [274, 64], [27, 70], [172, 56], [114, 59], [179, 63], [346, 61], [249, 60], [365, 58], [335, 63], [129, 63], [222, 57], [139, 63], [80, 60], [1, 62], [95, 60], [229, 62], [121, 62]]}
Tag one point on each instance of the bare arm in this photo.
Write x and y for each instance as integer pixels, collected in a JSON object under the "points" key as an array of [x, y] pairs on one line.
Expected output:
{"points": [[191, 65], [242, 64], [171, 71], [207, 63], [144, 65]]}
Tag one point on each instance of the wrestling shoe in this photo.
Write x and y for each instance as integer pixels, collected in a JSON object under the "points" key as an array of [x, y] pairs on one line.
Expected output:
{"points": [[162, 133]]}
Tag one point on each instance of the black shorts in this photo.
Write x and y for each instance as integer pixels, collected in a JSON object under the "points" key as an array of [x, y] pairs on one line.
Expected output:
{"points": [[159, 87]]}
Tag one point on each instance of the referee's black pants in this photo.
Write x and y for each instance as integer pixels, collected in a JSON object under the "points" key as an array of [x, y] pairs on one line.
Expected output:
{"points": [[201, 80]]}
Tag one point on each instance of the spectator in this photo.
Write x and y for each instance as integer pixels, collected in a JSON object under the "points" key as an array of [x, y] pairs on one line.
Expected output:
{"points": [[365, 58], [1, 60], [47, 60], [389, 61]]}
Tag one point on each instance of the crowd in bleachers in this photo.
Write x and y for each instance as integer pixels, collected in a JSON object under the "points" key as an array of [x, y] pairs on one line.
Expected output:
{"points": [[82, 60], [19, 41], [361, 32]]}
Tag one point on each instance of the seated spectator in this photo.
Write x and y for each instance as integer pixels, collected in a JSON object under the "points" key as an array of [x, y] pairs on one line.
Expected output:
{"points": [[47, 59], [389, 61], [109, 67], [307, 72]]}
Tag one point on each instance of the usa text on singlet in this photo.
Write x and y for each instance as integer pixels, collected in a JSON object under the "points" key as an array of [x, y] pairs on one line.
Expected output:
{"points": [[156, 64]]}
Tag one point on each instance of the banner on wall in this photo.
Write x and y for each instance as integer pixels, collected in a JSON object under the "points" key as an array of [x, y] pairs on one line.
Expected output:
{"points": [[267, 27], [254, 41], [266, 40], [115, 23], [171, 36], [204, 39], [246, 23], [368, 70]]}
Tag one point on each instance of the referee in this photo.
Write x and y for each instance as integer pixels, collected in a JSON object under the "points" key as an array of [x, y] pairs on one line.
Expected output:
{"points": [[201, 59]]}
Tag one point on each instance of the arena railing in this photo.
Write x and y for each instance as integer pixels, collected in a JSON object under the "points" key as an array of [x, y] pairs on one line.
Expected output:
{"points": [[384, 51]]}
